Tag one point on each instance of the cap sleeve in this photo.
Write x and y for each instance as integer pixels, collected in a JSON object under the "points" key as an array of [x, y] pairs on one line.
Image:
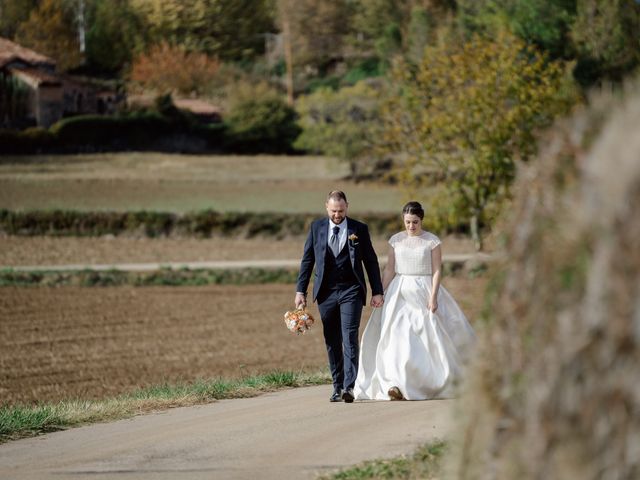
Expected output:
{"points": [[435, 241], [395, 238]]}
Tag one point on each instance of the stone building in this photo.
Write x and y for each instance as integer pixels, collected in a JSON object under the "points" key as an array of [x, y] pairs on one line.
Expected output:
{"points": [[49, 95]]}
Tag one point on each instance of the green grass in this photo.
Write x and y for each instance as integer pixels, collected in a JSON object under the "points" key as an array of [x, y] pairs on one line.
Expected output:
{"points": [[183, 277], [425, 463], [162, 277], [18, 421], [182, 183]]}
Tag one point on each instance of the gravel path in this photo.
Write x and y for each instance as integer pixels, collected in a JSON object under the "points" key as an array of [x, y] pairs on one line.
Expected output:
{"points": [[289, 434]]}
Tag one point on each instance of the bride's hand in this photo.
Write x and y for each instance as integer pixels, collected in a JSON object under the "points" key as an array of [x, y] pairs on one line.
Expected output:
{"points": [[433, 305], [377, 301]]}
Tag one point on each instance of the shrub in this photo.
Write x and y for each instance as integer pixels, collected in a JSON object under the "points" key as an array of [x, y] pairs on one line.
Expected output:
{"points": [[31, 140], [167, 68], [343, 124], [370, 67], [260, 121], [138, 129]]}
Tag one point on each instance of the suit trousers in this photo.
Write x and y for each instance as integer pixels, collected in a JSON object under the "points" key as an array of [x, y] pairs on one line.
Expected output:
{"points": [[340, 310]]}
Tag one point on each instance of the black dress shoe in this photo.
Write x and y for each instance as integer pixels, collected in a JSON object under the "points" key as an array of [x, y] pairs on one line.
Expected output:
{"points": [[336, 397], [348, 395]]}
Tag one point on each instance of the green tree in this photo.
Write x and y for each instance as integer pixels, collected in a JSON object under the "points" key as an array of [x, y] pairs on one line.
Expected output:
{"points": [[50, 29], [232, 30], [545, 23], [392, 27], [378, 26], [259, 119], [420, 26], [114, 34], [343, 123], [467, 112], [318, 30], [606, 38], [601, 36]]}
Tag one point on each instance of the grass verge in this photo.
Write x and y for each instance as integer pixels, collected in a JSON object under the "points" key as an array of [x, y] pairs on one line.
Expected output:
{"points": [[18, 421], [183, 277], [425, 463]]}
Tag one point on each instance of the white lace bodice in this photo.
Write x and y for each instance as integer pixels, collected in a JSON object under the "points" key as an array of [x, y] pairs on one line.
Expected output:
{"points": [[413, 254]]}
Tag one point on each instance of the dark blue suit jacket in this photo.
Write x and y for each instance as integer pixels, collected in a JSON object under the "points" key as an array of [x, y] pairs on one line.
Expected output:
{"points": [[360, 252]]}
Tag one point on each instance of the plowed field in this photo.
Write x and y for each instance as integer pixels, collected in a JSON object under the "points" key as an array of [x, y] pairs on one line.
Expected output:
{"points": [[74, 342]]}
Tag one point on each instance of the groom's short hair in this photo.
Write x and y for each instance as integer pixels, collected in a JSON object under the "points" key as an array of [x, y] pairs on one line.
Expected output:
{"points": [[337, 195]]}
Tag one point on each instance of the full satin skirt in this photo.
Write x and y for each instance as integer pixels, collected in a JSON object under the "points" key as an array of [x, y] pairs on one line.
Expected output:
{"points": [[405, 345]]}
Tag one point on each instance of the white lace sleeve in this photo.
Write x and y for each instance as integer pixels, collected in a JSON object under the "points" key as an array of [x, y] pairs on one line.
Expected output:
{"points": [[395, 238], [435, 241]]}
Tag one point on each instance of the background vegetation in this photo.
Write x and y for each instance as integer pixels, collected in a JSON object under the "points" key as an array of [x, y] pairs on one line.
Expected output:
{"points": [[445, 95]]}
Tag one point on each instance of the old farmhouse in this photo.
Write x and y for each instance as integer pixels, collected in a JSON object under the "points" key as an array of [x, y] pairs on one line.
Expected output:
{"points": [[33, 93]]}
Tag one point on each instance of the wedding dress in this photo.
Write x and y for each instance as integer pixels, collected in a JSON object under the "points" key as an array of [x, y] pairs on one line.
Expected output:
{"points": [[404, 344]]}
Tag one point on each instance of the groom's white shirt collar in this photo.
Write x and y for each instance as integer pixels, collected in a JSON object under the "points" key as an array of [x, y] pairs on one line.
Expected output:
{"points": [[342, 234]]}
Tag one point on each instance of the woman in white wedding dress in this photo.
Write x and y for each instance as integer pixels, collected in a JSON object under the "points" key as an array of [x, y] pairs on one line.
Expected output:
{"points": [[414, 347]]}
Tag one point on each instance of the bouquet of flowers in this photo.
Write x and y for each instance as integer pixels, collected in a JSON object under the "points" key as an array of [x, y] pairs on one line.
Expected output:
{"points": [[298, 321]]}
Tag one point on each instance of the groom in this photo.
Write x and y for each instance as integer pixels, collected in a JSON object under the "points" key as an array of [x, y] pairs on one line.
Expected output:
{"points": [[338, 246]]}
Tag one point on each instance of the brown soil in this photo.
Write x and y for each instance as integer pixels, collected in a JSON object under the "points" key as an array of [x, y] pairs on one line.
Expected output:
{"points": [[15, 251], [74, 342]]}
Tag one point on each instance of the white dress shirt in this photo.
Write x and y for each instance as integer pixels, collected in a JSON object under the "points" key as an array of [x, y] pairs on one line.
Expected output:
{"points": [[342, 234]]}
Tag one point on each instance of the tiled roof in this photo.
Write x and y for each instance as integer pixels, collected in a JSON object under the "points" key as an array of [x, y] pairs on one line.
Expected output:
{"points": [[39, 77], [199, 107], [11, 51], [194, 105]]}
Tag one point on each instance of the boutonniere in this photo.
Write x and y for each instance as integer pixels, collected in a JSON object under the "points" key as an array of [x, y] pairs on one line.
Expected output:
{"points": [[353, 237]]}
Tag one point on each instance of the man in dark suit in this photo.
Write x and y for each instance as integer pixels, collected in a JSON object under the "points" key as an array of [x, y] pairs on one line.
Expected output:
{"points": [[339, 246]]}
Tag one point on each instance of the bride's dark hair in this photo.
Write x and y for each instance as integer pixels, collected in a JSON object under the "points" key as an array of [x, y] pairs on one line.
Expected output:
{"points": [[413, 208]]}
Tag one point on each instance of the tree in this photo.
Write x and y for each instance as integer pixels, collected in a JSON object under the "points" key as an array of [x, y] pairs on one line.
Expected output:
{"points": [[13, 13], [393, 27], [169, 69], [606, 39], [343, 124], [601, 36], [50, 29], [545, 23], [232, 30], [318, 30], [114, 34], [259, 119], [464, 115]]}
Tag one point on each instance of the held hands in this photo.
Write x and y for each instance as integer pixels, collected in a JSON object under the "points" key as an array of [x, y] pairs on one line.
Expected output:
{"points": [[433, 305], [301, 300], [377, 301]]}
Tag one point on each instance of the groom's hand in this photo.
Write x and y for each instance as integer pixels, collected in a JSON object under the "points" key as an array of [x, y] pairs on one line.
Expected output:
{"points": [[377, 301], [301, 300]]}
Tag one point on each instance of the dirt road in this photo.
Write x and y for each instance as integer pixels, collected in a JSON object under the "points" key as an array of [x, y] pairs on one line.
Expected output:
{"points": [[294, 434]]}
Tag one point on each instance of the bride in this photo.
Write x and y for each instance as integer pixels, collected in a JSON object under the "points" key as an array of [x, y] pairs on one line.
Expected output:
{"points": [[413, 347]]}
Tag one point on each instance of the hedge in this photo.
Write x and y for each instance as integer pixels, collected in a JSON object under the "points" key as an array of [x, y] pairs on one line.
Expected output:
{"points": [[203, 224], [161, 277], [135, 131], [140, 131]]}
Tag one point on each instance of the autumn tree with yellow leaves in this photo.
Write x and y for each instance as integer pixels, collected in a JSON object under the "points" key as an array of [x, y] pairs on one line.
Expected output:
{"points": [[467, 112]]}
